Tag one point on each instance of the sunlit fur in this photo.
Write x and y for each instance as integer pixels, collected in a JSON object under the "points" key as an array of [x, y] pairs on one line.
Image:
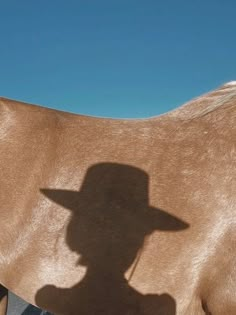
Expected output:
{"points": [[133, 216]]}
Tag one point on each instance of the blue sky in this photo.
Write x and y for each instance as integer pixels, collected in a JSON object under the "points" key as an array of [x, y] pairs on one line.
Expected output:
{"points": [[126, 58]]}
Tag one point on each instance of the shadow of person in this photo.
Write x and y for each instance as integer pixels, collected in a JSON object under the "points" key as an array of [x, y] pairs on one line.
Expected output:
{"points": [[110, 219]]}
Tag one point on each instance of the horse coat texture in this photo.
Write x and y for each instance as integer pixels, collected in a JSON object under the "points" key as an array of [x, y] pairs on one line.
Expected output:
{"points": [[120, 217]]}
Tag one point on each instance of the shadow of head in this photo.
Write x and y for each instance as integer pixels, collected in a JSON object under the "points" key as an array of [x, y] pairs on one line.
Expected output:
{"points": [[111, 216]]}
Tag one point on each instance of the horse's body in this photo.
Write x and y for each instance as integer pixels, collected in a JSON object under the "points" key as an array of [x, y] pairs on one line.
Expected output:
{"points": [[189, 156]]}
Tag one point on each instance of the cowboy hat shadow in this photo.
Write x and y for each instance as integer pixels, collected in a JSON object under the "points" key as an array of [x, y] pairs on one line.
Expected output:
{"points": [[111, 217]]}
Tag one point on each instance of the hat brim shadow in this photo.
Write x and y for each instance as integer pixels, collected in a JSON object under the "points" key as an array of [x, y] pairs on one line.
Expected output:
{"points": [[153, 218]]}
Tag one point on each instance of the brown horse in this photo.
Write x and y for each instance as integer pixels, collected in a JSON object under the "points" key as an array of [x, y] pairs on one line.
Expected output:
{"points": [[120, 217]]}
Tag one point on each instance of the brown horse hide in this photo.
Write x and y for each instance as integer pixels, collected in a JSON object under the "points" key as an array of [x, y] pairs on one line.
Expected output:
{"points": [[120, 217]]}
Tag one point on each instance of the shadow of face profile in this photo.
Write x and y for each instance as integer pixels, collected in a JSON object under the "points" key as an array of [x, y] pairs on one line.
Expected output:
{"points": [[111, 217]]}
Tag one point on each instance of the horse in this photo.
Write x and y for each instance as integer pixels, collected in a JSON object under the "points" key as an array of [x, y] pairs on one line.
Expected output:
{"points": [[120, 216]]}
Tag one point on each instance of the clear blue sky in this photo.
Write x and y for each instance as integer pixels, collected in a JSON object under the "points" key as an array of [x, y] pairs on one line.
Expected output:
{"points": [[126, 58]]}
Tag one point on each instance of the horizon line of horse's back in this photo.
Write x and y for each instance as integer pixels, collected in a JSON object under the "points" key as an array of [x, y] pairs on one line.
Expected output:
{"points": [[120, 216], [215, 98]]}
